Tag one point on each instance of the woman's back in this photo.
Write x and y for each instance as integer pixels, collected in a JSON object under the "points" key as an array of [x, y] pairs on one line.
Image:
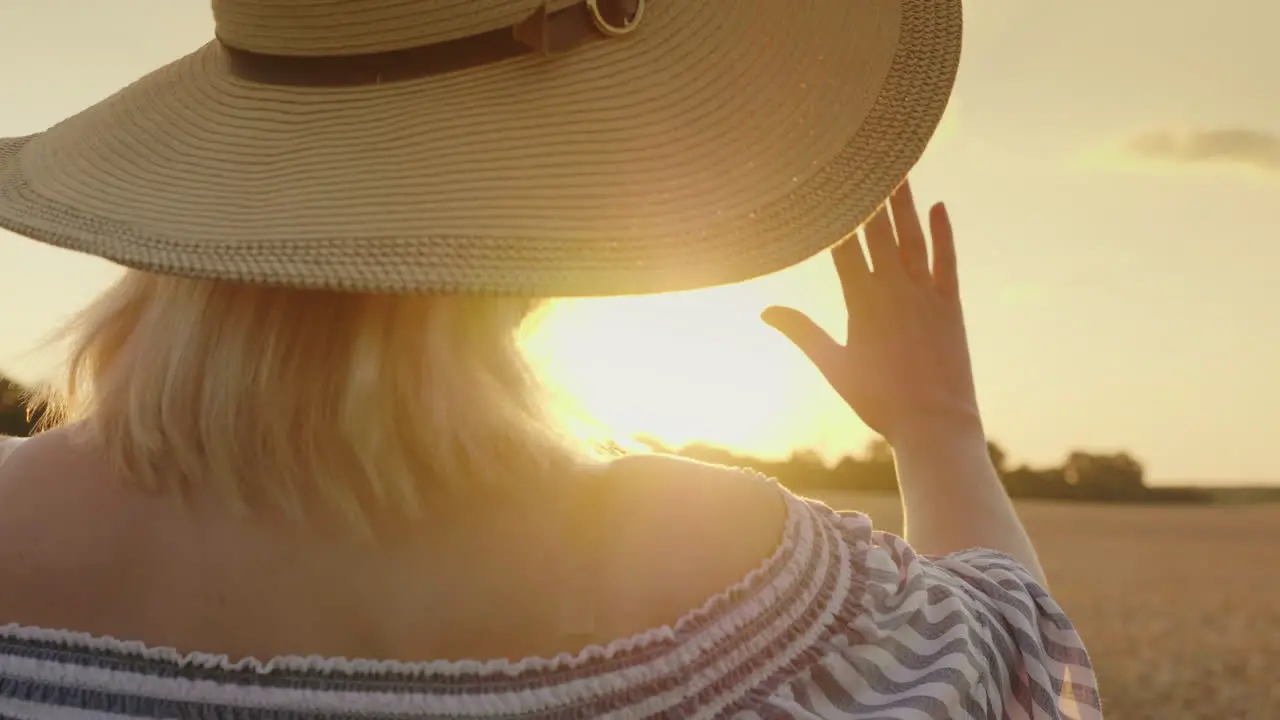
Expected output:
{"points": [[714, 593], [628, 546]]}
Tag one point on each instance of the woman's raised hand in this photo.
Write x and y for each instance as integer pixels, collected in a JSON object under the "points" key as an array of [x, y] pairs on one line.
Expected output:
{"points": [[904, 367]]}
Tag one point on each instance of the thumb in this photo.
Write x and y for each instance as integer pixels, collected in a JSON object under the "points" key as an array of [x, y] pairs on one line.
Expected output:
{"points": [[821, 349]]}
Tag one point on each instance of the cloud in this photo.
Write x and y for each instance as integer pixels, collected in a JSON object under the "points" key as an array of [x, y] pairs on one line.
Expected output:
{"points": [[1242, 147]]}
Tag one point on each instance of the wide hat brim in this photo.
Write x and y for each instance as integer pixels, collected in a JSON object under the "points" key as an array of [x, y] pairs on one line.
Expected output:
{"points": [[717, 143]]}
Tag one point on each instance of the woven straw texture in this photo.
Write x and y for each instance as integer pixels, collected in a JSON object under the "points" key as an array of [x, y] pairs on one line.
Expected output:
{"points": [[719, 142]]}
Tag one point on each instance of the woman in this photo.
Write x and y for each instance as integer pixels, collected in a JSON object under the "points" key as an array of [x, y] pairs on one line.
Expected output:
{"points": [[303, 471]]}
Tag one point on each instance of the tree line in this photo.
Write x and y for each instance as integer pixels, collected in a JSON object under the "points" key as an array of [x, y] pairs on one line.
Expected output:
{"points": [[1117, 477], [1090, 476]]}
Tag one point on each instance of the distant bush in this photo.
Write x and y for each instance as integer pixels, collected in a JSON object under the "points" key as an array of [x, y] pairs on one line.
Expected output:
{"points": [[14, 418]]}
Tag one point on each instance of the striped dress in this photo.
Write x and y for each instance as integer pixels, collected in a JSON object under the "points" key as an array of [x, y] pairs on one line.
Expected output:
{"points": [[842, 621]]}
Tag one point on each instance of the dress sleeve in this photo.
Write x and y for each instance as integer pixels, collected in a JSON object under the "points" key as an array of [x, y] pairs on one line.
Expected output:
{"points": [[979, 618]]}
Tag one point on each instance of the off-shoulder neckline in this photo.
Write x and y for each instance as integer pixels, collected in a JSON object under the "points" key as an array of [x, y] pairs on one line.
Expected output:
{"points": [[719, 616]]}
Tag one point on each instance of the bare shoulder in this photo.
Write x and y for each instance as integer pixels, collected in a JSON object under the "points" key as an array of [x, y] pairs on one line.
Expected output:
{"points": [[8, 445], [673, 486], [26, 461], [56, 528], [44, 477], [683, 531]]}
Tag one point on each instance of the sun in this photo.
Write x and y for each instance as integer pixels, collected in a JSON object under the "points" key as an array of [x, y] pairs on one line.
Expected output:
{"points": [[688, 367]]}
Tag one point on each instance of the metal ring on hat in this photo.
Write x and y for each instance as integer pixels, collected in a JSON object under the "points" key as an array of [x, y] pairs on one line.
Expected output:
{"points": [[610, 29]]}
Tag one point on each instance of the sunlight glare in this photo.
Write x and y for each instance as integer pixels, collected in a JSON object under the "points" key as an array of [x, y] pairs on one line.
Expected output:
{"points": [[690, 367]]}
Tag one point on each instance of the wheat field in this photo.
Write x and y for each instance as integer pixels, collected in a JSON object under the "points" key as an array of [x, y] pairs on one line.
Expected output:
{"points": [[1179, 606]]}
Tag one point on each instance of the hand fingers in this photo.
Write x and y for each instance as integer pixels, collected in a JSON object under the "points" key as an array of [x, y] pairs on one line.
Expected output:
{"points": [[882, 245], [911, 242], [946, 277], [821, 349], [852, 269]]}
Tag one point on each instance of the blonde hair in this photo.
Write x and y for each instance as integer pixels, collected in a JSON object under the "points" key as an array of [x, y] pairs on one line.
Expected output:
{"points": [[292, 398]]}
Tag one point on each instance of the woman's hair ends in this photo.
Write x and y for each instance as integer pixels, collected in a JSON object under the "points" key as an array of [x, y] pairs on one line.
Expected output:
{"points": [[303, 399]]}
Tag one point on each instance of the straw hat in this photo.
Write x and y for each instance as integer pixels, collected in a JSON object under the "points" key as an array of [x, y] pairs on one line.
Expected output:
{"points": [[595, 147]]}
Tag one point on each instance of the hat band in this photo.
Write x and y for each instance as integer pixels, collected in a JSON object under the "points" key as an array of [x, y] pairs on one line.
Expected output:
{"points": [[543, 32]]}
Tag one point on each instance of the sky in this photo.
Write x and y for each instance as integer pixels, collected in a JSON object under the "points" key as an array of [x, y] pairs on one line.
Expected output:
{"points": [[1112, 168]]}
